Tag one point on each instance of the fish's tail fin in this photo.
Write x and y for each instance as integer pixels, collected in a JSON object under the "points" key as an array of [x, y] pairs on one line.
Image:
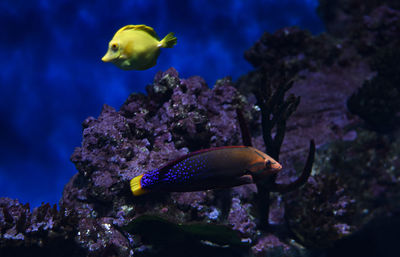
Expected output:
{"points": [[168, 41], [136, 186]]}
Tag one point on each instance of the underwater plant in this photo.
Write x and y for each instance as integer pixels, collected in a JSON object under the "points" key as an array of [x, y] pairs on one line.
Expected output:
{"points": [[275, 110], [197, 239]]}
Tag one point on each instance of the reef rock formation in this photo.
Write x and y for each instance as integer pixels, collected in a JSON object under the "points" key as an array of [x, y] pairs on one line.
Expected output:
{"points": [[42, 232], [328, 71], [175, 117], [342, 17]]}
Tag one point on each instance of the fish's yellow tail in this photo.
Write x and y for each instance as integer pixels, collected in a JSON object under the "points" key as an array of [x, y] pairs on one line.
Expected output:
{"points": [[136, 187], [168, 41]]}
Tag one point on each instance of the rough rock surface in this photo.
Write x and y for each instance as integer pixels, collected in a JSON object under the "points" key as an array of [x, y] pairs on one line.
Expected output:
{"points": [[175, 117], [42, 232], [328, 71], [342, 17]]}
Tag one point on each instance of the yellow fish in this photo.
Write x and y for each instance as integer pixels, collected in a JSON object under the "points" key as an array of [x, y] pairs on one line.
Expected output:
{"points": [[136, 47]]}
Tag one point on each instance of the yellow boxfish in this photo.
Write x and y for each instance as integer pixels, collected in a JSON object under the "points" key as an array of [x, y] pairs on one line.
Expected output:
{"points": [[136, 47], [219, 167]]}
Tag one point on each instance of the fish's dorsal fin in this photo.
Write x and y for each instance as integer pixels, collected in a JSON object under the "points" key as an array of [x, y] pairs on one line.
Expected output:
{"points": [[173, 162], [142, 27]]}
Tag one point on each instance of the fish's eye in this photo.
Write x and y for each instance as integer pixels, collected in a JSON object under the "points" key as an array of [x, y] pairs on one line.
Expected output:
{"points": [[114, 47], [268, 164]]}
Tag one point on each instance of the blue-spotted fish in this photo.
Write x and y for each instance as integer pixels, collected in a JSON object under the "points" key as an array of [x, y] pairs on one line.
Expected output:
{"points": [[219, 167], [136, 47]]}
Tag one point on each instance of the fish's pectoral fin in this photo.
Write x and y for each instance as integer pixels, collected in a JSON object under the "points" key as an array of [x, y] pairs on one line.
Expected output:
{"points": [[245, 179], [126, 63]]}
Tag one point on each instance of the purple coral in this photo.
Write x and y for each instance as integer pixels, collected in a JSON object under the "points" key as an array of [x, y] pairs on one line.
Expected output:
{"points": [[43, 231], [175, 117]]}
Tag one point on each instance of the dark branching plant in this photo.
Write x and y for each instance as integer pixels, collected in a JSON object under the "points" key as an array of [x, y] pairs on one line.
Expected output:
{"points": [[275, 111]]}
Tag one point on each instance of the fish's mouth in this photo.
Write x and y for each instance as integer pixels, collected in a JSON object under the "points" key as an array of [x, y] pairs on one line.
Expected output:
{"points": [[273, 166], [106, 58], [110, 57], [261, 170]]}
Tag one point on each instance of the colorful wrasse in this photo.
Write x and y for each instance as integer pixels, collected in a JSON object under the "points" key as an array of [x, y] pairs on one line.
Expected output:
{"points": [[220, 167]]}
